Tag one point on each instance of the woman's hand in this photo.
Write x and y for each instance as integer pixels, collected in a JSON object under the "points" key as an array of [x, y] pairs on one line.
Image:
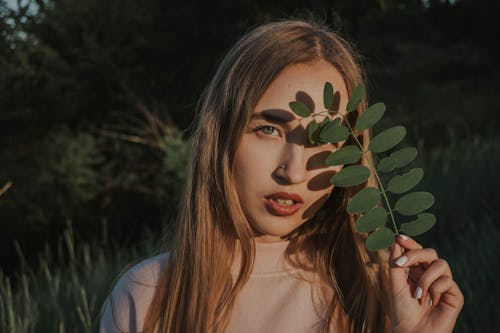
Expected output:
{"points": [[424, 297]]}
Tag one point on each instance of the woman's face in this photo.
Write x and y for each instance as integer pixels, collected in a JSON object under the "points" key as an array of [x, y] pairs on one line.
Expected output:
{"points": [[281, 179]]}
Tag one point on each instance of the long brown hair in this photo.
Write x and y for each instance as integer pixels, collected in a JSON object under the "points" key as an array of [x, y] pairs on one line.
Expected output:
{"points": [[195, 292]]}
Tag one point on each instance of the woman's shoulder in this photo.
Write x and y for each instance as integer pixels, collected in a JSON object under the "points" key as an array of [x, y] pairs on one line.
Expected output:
{"points": [[145, 274], [126, 306]]}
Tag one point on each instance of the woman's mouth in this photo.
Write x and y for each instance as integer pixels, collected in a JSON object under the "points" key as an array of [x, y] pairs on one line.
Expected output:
{"points": [[283, 204]]}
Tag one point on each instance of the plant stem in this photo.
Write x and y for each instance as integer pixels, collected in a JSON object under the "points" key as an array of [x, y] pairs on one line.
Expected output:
{"points": [[374, 170]]}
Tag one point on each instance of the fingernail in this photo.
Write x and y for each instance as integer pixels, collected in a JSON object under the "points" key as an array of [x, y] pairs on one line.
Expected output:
{"points": [[418, 293], [403, 237], [401, 261], [430, 301]]}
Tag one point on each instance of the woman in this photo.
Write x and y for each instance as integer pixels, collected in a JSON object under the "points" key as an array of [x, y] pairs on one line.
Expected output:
{"points": [[264, 243]]}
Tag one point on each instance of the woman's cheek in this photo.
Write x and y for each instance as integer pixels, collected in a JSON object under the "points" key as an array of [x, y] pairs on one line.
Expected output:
{"points": [[268, 150]]}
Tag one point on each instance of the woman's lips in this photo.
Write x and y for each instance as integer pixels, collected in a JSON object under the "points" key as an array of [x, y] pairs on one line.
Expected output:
{"points": [[283, 204]]}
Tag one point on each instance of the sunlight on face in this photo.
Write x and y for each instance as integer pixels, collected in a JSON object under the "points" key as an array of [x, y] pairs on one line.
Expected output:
{"points": [[277, 200]]}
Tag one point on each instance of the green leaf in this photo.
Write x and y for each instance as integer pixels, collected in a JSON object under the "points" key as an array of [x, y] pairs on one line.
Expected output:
{"points": [[404, 183], [300, 109], [404, 156], [336, 121], [324, 122], [332, 133], [380, 239], [346, 155], [387, 139], [311, 130], [364, 200], [397, 159], [424, 222], [373, 219], [414, 203], [386, 164], [370, 117], [350, 176], [356, 97], [328, 95]]}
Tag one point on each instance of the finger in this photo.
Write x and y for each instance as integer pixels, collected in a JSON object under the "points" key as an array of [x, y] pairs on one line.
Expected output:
{"points": [[404, 243], [398, 276], [396, 251], [414, 257], [407, 242], [438, 287], [446, 291], [435, 271], [415, 272]]}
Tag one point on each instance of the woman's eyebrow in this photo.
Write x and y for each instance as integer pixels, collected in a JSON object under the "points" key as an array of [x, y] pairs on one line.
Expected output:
{"points": [[275, 116]]}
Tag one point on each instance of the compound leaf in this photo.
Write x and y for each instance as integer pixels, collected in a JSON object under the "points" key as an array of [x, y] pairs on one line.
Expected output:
{"points": [[373, 217]]}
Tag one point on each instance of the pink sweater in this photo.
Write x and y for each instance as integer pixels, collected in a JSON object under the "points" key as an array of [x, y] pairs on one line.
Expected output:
{"points": [[277, 297]]}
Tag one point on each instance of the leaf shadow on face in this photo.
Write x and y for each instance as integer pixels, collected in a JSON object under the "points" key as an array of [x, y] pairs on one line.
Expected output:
{"points": [[321, 181], [315, 207], [297, 135], [279, 116], [317, 161], [336, 101], [302, 96]]}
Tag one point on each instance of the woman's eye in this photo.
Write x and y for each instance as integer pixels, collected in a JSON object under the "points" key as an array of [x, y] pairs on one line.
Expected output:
{"points": [[268, 130]]}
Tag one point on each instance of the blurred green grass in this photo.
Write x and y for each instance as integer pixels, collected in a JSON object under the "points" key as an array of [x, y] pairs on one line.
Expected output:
{"points": [[66, 290], [64, 293], [464, 180]]}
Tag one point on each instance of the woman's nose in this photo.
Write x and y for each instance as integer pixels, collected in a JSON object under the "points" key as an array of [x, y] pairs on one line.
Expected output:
{"points": [[293, 168]]}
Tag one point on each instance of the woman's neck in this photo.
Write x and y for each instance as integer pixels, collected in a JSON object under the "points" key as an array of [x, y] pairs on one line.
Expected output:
{"points": [[269, 258]]}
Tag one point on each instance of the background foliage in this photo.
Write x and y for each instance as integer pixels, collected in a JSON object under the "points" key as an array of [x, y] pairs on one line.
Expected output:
{"points": [[96, 101]]}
